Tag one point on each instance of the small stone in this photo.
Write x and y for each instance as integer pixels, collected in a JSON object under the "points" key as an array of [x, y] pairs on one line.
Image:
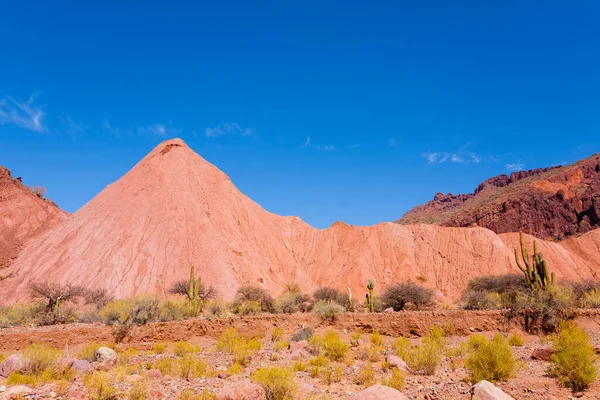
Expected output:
{"points": [[542, 353], [2, 388], [299, 354], [389, 310], [53, 394], [471, 329], [223, 375], [485, 390], [578, 394], [301, 345], [154, 374], [82, 366]]}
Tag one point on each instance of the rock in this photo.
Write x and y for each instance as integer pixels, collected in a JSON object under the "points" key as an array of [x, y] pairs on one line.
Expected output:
{"points": [[105, 354], [389, 309], [397, 362], [53, 395], [379, 392], [578, 395], [82, 366], [223, 375], [12, 363], [485, 390], [16, 391], [299, 354], [133, 378], [154, 374], [104, 366], [306, 388], [65, 363], [241, 390], [301, 345], [542, 353], [2, 388]]}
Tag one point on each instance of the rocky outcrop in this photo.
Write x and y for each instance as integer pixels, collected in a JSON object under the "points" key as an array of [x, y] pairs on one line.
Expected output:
{"points": [[174, 209], [378, 392], [23, 215], [550, 203]]}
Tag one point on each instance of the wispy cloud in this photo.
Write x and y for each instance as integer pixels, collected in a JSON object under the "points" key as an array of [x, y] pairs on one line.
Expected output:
{"points": [[22, 114], [309, 144], [159, 130], [227, 128], [456, 158], [516, 166], [71, 127], [109, 128]]}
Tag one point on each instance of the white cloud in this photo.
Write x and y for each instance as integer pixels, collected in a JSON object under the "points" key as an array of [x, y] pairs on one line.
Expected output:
{"points": [[107, 127], [159, 130], [308, 144], [455, 158], [227, 128], [25, 115], [517, 166], [71, 127]]}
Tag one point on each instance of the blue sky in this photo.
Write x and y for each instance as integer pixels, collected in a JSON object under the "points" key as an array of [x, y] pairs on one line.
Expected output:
{"points": [[353, 111]]}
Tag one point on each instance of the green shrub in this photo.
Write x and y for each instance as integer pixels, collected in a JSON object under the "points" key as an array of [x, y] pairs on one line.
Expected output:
{"points": [[514, 339], [574, 358], [316, 365], [216, 308], [376, 339], [335, 348], [399, 294], [366, 376], [173, 310], [248, 308], [278, 383], [277, 334], [491, 360], [136, 310], [159, 347], [328, 309], [281, 345], [20, 314], [181, 348], [397, 380], [100, 387], [239, 346]]}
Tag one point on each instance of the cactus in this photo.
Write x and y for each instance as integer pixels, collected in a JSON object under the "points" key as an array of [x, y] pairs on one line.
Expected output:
{"points": [[371, 296], [193, 294], [536, 269], [350, 304]]}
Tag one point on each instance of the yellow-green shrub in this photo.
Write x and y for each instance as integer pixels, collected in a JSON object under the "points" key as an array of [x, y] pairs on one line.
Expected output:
{"points": [[182, 347], [335, 348], [366, 376], [167, 366], [424, 359], [17, 378], [299, 366], [331, 374], [278, 383], [159, 347], [139, 391], [591, 299], [134, 310], [397, 380], [173, 310], [235, 369], [514, 339], [242, 348], [188, 394], [2, 357], [316, 365], [248, 307], [281, 345], [277, 334], [376, 339], [99, 386], [192, 367], [39, 357], [573, 360], [491, 360], [19, 314], [88, 352]]}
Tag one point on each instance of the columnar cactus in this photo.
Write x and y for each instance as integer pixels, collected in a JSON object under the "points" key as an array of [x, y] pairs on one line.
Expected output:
{"points": [[193, 294], [371, 296], [536, 269]]}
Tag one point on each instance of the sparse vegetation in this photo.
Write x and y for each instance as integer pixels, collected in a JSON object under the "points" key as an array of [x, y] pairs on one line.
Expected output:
{"points": [[397, 380], [514, 339], [491, 360], [292, 300], [366, 376], [159, 347], [423, 359], [100, 387], [88, 352], [237, 345], [278, 383], [328, 310], [277, 334], [254, 295], [574, 358], [181, 348], [302, 334], [399, 295], [139, 391]]}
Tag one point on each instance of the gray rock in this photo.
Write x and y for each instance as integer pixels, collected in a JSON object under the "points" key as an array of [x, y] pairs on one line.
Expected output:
{"points": [[485, 390], [105, 354], [12, 363]]}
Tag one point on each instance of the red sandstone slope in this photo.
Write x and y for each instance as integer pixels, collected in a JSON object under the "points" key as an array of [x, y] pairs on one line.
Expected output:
{"points": [[23, 214], [174, 209], [548, 203]]}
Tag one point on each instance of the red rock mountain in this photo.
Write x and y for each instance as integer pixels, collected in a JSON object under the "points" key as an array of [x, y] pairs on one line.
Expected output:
{"points": [[550, 203], [174, 209], [23, 215]]}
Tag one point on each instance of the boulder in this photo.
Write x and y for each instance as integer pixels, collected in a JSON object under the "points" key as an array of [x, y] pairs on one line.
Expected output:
{"points": [[12, 363], [16, 391], [542, 353], [241, 390], [82, 366], [154, 374], [485, 390], [299, 354], [397, 362], [301, 345], [104, 366], [379, 392], [65, 363], [105, 354], [389, 309]]}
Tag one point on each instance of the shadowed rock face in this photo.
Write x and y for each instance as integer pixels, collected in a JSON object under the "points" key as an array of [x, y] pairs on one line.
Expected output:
{"points": [[23, 215], [174, 209], [550, 203]]}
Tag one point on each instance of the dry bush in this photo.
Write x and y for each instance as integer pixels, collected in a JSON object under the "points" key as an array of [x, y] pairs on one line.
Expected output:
{"points": [[55, 293], [189, 394], [397, 380], [159, 347], [493, 291], [173, 310], [253, 293], [99, 297], [376, 339], [574, 358], [216, 308], [20, 314], [490, 360], [423, 359], [398, 295], [181, 348], [333, 346], [100, 387], [514, 339], [278, 383], [182, 287], [316, 365], [366, 376], [331, 374], [291, 301], [590, 299], [328, 310], [302, 334], [132, 311], [39, 357], [192, 367], [330, 294], [242, 348], [139, 391], [277, 334]]}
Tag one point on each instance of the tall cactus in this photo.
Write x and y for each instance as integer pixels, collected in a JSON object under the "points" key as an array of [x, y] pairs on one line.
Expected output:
{"points": [[371, 296], [536, 269], [193, 294]]}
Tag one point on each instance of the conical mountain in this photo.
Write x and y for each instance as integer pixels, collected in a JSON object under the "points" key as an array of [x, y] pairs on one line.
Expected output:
{"points": [[174, 209]]}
